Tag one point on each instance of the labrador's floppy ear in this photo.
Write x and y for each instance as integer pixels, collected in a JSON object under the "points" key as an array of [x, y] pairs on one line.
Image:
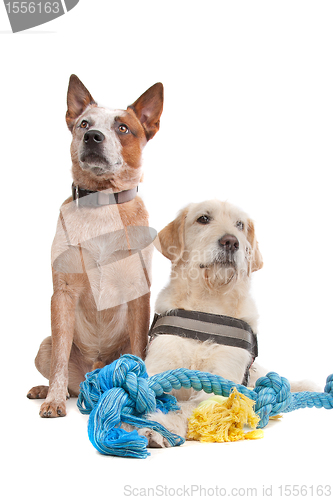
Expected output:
{"points": [[78, 99], [148, 108], [256, 260], [171, 240]]}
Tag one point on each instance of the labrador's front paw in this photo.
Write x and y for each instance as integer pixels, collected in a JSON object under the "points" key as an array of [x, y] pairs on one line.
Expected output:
{"points": [[155, 439]]}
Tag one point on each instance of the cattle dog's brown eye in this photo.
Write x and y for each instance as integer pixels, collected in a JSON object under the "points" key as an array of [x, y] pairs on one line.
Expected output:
{"points": [[84, 124], [123, 129], [204, 219], [240, 225]]}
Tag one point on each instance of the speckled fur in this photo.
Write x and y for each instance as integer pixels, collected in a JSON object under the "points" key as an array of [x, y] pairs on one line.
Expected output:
{"points": [[100, 305]]}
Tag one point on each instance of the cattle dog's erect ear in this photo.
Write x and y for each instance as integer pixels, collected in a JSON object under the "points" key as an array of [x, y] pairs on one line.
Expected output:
{"points": [[148, 108], [78, 99]]}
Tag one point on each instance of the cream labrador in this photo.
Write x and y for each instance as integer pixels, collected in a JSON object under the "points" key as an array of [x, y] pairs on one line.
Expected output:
{"points": [[213, 250]]}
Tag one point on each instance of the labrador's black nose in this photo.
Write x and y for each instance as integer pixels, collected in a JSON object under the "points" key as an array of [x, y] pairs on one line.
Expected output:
{"points": [[93, 137], [229, 243]]}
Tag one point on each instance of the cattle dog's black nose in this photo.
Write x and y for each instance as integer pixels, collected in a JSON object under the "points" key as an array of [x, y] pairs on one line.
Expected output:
{"points": [[93, 137], [229, 243]]}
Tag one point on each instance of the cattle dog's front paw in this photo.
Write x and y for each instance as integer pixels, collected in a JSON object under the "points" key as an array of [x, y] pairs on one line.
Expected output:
{"points": [[38, 392], [52, 409]]}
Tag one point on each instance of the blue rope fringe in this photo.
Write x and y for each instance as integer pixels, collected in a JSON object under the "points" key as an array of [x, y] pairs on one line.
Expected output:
{"points": [[122, 392]]}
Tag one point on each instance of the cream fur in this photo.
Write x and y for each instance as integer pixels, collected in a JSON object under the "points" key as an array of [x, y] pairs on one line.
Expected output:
{"points": [[209, 289]]}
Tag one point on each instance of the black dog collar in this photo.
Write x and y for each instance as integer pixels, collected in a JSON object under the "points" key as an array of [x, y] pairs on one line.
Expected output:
{"points": [[86, 198], [202, 326]]}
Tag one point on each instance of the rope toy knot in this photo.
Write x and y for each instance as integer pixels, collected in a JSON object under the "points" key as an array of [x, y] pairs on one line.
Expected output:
{"points": [[273, 396], [329, 385], [129, 373]]}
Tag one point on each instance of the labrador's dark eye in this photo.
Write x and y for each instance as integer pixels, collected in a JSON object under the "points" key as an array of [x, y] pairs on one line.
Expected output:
{"points": [[240, 225], [84, 124], [204, 219]]}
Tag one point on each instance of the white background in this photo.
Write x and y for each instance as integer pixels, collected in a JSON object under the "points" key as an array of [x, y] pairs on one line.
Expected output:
{"points": [[248, 117]]}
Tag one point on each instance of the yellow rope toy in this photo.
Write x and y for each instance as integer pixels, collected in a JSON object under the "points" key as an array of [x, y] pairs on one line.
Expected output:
{"points": [[220, 419]]}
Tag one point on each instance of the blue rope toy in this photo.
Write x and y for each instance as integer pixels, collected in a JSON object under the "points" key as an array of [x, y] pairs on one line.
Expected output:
{"points": [[122, 392]]}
